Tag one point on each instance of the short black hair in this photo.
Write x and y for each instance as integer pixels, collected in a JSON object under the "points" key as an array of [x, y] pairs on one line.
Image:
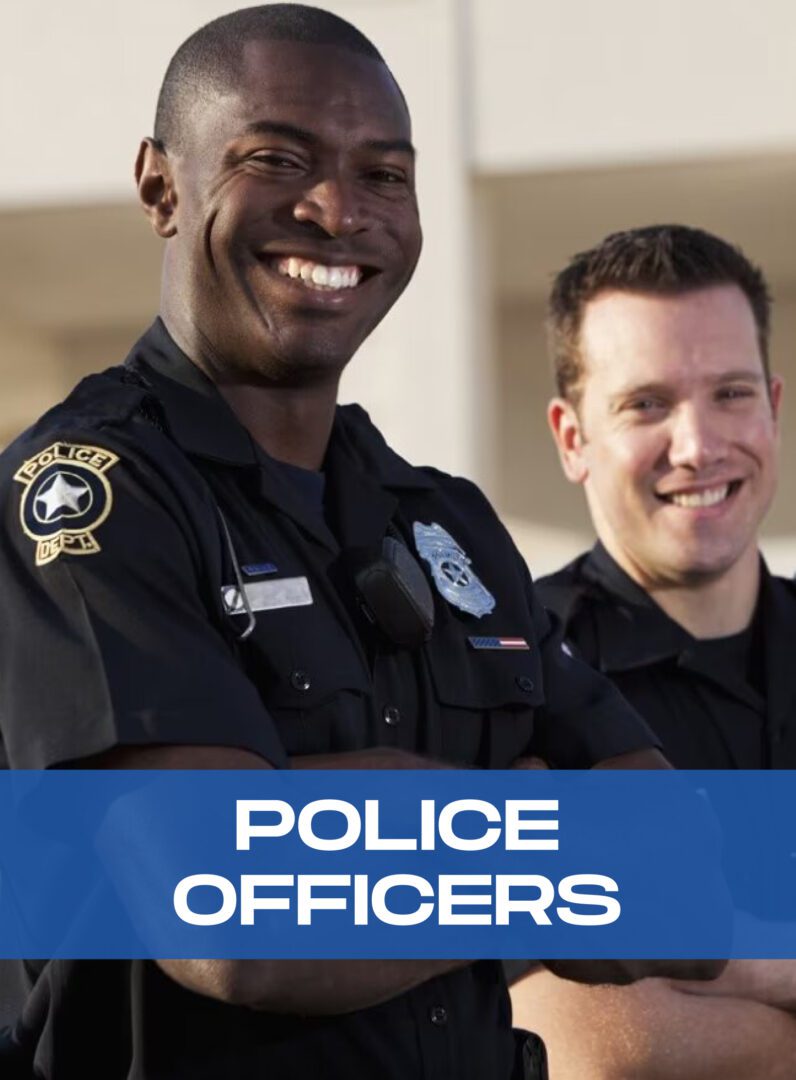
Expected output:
{"points": [[659, 260], [211, 56]]}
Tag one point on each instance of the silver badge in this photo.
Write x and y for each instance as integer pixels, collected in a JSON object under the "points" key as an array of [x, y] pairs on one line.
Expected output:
{"points": [[452, 571]]}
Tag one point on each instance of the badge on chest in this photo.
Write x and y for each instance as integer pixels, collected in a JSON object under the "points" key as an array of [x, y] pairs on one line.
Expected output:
{"points": [[452, 570]]}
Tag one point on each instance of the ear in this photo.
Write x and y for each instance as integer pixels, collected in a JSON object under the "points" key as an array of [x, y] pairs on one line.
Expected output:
{"points": [[775, 387], [156, 191], [566, 429]]}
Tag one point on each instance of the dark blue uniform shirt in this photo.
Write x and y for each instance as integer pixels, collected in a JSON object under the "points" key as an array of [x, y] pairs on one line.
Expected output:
{"points": [[726, 704], [126, 509]]}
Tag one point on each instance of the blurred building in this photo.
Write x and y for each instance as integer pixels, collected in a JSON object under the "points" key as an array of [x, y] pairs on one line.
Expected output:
{"points": [[541, 124]]}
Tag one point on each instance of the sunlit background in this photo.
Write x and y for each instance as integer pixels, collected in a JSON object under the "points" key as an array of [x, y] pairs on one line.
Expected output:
{"points": [[541, 127]]}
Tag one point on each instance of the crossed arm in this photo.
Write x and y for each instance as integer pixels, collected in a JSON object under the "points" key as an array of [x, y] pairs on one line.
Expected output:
{"points": [[331, 987], [728, 1029]]}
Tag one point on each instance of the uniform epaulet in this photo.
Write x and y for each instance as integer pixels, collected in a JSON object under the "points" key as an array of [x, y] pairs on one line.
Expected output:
{"points": [[107, 397]]}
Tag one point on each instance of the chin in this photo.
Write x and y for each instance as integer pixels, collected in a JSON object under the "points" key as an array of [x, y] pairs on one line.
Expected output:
{"points": [[296, 365], [315, 354], [705, 566]]}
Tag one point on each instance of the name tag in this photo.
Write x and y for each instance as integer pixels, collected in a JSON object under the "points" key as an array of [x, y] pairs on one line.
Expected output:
{"points": [[267, 595]]}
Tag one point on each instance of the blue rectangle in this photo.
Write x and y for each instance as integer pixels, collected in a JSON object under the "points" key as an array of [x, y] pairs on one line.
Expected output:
{"points": [[92, 864], [261, 568]]}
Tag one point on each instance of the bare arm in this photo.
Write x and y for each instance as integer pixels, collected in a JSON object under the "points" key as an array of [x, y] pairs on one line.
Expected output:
{"points": [[621, 972], [649, 758], [337, 986], [316, 987], [769, 982], [653, 1031]]}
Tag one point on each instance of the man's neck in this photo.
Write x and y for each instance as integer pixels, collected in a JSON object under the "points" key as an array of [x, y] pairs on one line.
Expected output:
{"points": [[710, 607], [291, 423]]}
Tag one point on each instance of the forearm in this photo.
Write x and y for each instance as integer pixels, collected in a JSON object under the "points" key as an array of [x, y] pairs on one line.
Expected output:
{"points": [[226, 757], [625, 972], [316, 987], [651, 1031], [377, 757], [768, 982], [650, 758], [308, 987]]}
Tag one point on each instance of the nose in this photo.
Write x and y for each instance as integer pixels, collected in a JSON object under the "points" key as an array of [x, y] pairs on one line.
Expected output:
{"points": [[333, 206], [697, 440]]}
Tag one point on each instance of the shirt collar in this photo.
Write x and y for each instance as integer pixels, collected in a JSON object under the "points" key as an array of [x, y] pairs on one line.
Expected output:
{"points": [[355, 437], [195, 414], [632, 631], [201, 422], [199, 419]]}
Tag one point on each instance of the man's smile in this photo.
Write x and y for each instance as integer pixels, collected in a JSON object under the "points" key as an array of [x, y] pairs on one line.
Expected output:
{"points": [[316, 275], [700, 498], [325, 280]]}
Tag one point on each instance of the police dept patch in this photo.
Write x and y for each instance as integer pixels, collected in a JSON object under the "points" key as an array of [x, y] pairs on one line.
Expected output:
{"points": [[66, 497], [451, 570]]}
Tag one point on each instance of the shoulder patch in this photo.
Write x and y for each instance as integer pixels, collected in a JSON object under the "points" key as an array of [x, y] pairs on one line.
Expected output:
{"points": [[67, 495]]}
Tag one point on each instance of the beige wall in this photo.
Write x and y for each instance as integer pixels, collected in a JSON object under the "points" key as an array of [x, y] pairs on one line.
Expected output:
{"points": [[540, 126], [78, 258], [574, 82], [533, 488]]}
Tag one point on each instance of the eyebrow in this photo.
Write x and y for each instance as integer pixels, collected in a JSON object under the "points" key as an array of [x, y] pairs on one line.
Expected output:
{"points": [[301, 135], [741, 375]]}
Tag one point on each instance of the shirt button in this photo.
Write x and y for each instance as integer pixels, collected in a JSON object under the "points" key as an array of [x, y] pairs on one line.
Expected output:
{"points": [[300, 680], [392, 716], [525, 684], [438, 1015]]}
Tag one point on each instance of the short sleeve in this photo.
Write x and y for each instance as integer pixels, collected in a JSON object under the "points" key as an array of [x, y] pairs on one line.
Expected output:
{"points": [[108, 635], [585, 719]]}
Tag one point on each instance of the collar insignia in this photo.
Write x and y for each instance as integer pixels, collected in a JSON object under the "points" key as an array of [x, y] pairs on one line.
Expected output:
{"points": [[452, 570]]}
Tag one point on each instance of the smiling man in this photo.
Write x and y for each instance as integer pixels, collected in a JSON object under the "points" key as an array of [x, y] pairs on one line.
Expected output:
{"points": [[667, 415], [185, 550]]}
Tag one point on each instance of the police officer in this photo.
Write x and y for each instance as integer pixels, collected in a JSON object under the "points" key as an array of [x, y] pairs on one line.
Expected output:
{"points": [[667, 414], [188, 564]]}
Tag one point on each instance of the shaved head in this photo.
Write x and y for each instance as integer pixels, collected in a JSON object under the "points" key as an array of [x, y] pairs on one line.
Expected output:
{"points": [[210, 59]]}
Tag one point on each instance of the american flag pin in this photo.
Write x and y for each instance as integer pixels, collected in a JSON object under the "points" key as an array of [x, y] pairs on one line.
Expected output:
{"points": [[498, 643]]}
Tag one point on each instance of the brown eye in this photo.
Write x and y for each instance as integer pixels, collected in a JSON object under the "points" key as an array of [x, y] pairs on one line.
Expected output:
{"points": [[736, 393], [387, 176]]}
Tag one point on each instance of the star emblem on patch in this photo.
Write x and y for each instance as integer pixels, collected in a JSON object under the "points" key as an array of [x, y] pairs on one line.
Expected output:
{"points": [[66, 497]]}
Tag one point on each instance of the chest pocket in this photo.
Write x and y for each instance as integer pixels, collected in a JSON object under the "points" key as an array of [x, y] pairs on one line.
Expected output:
{"points": [[311, 679], [485, 697]]}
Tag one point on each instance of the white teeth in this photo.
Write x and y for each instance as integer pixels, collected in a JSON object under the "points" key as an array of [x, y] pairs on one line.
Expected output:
{"points": [[318, 276], [694, 499]]}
